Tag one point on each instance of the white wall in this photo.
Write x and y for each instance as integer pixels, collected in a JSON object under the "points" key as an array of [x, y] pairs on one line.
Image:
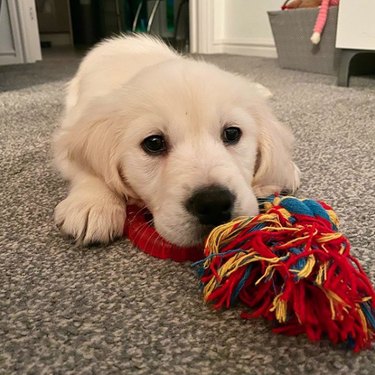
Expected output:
{"points": [[236, 26], [248, 19]]}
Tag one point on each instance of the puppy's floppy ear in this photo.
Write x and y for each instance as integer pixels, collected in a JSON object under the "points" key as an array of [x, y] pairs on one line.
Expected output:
{"points": [[263, 91], [274, 170], [92, 143]]}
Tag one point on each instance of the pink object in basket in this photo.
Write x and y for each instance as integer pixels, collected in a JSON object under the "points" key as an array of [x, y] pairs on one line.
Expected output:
{"points": [[322, 19]]}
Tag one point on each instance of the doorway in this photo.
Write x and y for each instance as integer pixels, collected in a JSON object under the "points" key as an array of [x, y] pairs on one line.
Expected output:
{"points": [[85, 22]]}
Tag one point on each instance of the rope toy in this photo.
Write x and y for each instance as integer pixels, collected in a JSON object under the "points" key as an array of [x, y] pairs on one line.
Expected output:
{"points": [[290, 265]]}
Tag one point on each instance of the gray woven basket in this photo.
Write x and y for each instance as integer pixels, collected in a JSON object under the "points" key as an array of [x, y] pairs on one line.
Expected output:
{"points": [[292, 30]]}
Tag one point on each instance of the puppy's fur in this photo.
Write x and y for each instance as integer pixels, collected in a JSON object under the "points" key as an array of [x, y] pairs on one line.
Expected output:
{"points": [[130, 88]]}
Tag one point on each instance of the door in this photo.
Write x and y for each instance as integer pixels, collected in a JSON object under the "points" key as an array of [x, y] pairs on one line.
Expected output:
{"points": [[19, 37], [10, 40]]}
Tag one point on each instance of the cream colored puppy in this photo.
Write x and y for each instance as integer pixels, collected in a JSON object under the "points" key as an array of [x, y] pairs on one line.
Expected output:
{"points": [[193, 143]]}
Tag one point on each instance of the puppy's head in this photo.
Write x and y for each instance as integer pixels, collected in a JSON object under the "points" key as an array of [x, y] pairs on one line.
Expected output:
{"points": [[196, 144]]}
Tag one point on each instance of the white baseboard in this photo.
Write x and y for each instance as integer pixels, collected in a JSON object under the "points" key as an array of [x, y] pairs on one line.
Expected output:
{"points": [[246, 46]]}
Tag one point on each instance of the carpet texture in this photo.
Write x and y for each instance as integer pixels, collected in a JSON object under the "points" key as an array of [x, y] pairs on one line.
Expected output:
{"points": [[115, 310]]}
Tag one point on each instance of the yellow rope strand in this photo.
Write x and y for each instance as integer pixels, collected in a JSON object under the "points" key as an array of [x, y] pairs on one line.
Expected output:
{"points": [[280, 308]]}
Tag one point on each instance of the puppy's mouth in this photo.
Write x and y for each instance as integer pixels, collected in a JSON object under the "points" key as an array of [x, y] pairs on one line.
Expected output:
{"points": [[201, 230], [139, 228], [140, 215]]}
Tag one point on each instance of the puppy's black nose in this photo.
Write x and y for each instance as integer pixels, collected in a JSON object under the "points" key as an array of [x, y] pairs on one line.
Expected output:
{"points": [[212, 205]]}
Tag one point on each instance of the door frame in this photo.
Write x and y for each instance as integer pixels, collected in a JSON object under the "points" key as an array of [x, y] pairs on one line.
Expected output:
{"points": [[201, 16]]}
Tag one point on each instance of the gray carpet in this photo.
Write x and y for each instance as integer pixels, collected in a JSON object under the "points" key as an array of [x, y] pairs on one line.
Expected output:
{"points": [[114, 310]]}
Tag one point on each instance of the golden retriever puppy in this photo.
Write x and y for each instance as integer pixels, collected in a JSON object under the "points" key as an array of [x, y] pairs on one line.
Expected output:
{"points": [[193, 143]]}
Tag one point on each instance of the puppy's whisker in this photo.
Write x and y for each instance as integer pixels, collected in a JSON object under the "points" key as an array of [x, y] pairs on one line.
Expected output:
{"points": [[140, 231], [153, 243], [140, 211]]}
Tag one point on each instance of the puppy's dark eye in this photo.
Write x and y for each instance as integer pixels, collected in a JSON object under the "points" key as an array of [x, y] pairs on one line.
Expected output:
{"points": [[154, 145], [231, 135]]}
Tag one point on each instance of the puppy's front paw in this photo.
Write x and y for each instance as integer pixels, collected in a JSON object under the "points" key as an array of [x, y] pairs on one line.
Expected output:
{"points": [[91, 220]]}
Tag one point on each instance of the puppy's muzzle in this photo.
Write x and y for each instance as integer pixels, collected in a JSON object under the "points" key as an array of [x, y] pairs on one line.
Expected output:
{"points": [[212, 205]]}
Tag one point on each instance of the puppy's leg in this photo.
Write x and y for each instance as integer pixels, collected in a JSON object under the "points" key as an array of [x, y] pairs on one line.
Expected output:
{"points": [[91, 212]]}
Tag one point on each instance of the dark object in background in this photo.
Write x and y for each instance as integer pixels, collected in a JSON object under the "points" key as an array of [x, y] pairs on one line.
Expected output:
{"points": [[93, 20], [85, 22], [355, 62], [54, 22], [46, 44]]}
